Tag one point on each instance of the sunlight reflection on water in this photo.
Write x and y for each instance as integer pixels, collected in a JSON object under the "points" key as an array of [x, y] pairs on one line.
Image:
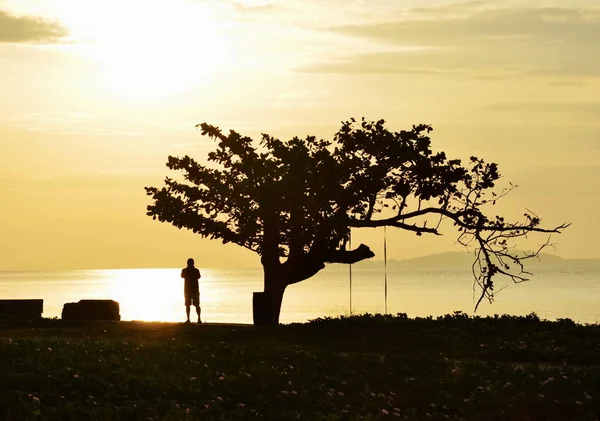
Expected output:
{"points": [[226, 294]]}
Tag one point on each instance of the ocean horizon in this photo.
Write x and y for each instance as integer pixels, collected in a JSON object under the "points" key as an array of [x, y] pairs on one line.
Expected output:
{"points": [[226, 294]]}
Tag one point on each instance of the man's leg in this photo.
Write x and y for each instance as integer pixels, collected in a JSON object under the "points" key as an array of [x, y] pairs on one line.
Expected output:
{"points": [[198, 312], [188, 303]]}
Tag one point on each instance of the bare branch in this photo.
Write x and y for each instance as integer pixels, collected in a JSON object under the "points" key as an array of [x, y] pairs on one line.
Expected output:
{"points": [[484, 269]]}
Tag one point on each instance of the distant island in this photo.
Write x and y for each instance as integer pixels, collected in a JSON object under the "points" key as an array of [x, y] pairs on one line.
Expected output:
{"points": [[458, 259]]}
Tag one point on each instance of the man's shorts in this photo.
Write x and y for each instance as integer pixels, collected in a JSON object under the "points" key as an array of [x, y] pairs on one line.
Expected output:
{"points": [[193, 297]]}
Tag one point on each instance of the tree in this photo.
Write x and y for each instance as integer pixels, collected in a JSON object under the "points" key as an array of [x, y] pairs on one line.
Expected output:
{"points": [[294, 203]]}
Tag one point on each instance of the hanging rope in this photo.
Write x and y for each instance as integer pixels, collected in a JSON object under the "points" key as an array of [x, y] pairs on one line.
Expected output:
{"points": [[350, 248], [385, 267]]}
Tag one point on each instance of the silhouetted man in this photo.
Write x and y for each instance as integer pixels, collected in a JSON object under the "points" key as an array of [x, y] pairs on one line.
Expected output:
{"points": [[191, 289]]}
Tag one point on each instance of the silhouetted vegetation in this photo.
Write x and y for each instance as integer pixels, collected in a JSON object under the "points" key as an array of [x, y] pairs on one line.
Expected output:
{"points": [[364, 367], [294, 203]]}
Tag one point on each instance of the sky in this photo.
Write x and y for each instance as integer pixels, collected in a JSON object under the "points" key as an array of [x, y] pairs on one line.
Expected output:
{"points": [[95, 95]]}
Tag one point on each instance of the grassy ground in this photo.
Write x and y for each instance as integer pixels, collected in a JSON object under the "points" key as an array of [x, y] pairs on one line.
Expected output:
{"points": [[367, 367]]}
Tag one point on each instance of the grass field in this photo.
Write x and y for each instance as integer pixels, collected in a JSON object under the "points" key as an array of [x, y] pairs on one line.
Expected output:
{"points": [[359, 368]]}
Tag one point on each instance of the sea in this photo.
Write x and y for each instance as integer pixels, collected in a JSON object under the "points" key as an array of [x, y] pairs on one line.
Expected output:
{"points": [[564, 291]]}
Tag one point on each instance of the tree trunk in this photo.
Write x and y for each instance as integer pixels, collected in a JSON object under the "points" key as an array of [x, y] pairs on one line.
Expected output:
{"points": [[277, 296], [269, 303], [267, 306]]}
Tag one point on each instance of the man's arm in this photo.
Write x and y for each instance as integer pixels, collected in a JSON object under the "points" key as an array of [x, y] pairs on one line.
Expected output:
{"points": [[182, 273]]}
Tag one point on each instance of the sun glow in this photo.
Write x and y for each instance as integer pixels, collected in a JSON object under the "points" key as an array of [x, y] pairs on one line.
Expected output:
{"points": [[149, 49], [147, 294]]}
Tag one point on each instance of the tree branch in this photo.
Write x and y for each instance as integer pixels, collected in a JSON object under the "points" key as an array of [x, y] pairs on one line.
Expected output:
{"points": [[454, 216], [269, 255], [362, 252], [300, 272]]}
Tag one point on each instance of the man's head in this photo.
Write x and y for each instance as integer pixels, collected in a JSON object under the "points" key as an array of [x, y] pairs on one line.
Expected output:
{"points": [[190, 262]]}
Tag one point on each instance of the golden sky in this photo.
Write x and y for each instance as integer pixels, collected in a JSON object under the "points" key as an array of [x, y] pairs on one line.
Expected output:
{"points": [[94, 95]]}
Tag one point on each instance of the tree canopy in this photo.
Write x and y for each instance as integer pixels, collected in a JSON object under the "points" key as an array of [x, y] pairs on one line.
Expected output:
{"points": [[294, 202]]}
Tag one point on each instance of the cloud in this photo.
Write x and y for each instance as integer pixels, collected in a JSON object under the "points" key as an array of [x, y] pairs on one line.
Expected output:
{"points": [[474, 39], [254, 7], [109, 178], [426, 61], [28, 29], [583, 109], [70, 123]]}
